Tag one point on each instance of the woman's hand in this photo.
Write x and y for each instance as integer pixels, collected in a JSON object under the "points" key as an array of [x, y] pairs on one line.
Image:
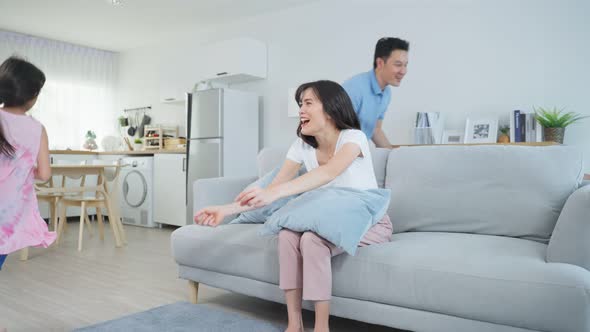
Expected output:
{"points": [[257, 197], [210, 216]]}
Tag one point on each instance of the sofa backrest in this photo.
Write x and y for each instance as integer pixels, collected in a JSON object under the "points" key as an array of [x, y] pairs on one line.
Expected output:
{"points": [[515, 191], [269, 158]]}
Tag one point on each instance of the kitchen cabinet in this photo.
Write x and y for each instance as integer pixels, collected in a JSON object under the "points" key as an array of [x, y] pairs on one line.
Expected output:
{"points": [[234, 61], [226, 62], [175, 82], [170, 189], [176, 76]]}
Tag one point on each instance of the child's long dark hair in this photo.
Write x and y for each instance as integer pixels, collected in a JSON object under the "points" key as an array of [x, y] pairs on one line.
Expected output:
{"points": [[336, 104], [20, 82]]}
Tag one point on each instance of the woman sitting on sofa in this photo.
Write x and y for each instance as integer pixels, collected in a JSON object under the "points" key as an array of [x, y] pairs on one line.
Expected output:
{"points": [[335, 153]]}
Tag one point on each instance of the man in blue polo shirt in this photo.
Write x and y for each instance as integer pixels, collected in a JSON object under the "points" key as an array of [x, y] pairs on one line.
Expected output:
{"points": [[370, 92]]}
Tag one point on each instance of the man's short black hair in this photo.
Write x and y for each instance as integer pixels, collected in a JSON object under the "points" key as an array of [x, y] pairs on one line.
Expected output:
{"points": [[386, 45]]}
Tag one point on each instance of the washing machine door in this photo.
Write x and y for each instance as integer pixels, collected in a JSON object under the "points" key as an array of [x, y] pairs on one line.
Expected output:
{"points": [[134, 189]]}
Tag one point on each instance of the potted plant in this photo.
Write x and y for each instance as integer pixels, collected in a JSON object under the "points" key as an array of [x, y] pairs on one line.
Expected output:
{"points": [[554, 122], [504, 135], [137, 144], [123, 122]]}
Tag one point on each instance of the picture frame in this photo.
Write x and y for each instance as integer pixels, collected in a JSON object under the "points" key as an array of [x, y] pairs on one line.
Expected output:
{"points": [[481, 130], [453, 137]]}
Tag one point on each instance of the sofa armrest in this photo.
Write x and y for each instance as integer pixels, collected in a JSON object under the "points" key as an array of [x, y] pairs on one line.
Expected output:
{"points": [[570, 241], [217, 191]]}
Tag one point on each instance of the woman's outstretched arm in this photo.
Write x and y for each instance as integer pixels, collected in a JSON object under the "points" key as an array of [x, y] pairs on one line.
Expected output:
{"points": [[214, 215], [257, 197]]}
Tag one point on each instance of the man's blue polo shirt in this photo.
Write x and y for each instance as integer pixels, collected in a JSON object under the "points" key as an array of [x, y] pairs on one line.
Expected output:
{"points": [[369, 101]]}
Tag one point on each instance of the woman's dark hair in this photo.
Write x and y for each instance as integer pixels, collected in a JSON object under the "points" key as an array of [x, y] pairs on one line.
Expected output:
{"points": [[336, 103], [386, 45], [20, 82]]}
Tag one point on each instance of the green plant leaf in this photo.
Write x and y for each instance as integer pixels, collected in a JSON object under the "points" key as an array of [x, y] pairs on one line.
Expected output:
{"points": [[556, 118]]}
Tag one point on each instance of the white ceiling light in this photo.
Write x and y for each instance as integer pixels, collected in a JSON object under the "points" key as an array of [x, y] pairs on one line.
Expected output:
{"points": [[116, 2]]}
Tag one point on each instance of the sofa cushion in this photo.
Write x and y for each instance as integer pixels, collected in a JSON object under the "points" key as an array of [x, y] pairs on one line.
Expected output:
{"points": [[234, 249], [489, 278], [269, 158], [480, 277], [515, 191]]}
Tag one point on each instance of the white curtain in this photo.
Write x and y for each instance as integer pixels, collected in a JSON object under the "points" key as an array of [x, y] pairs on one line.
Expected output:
{"points": [[79, 94]]}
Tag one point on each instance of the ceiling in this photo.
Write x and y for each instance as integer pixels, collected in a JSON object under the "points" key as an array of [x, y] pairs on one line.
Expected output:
{"points": [[134, 23]]}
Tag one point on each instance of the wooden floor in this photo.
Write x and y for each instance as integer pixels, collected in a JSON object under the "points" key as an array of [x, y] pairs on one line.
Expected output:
{"points": [[59, 288]]}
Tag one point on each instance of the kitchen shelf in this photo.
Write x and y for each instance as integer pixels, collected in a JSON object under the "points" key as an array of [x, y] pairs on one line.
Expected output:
{"points": [[155, 135]]}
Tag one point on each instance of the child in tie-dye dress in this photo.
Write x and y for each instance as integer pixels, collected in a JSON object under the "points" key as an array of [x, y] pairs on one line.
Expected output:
{"points": [[24, 157]]}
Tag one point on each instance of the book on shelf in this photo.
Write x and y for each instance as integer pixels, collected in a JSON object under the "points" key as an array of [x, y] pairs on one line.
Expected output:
{"points": [[428, 128], [524, 127]]}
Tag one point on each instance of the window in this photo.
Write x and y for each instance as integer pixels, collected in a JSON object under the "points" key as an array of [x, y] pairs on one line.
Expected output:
{"points": [[79, 94]]}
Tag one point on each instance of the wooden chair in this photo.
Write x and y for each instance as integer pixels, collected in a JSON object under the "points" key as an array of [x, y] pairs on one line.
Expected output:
{"points": [[113, 185], [112, 178], [97, 201], [70, 181], [51, 198]]}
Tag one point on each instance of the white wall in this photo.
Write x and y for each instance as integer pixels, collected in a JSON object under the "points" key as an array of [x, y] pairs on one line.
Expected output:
{"points": [[467, 58]]}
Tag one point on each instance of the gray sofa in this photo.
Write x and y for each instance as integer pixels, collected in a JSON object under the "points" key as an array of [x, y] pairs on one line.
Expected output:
{"points": [[486, 238]]}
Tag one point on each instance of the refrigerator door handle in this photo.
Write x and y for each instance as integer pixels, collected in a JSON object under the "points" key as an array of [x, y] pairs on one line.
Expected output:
{"points": [[186, 175]]}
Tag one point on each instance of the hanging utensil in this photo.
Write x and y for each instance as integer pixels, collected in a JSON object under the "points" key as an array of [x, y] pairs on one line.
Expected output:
{"points": [[140, 127], [145, 120], [132, 129]]}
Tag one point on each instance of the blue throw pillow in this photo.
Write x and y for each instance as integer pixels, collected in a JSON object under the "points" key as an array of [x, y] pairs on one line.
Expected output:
{"points": [[339, 215], [261, 215]]}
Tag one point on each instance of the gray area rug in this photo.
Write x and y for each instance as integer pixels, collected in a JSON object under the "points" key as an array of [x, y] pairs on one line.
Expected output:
{"points": [[184, 316]]}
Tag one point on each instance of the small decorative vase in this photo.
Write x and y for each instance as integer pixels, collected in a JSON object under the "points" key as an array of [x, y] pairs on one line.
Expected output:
{"points": [[137, 146], [503, 139], [90, 144], [553, 135]]}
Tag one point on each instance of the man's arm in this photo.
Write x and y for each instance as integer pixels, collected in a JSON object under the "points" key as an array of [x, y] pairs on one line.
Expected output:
{"points": [[379, 137]]}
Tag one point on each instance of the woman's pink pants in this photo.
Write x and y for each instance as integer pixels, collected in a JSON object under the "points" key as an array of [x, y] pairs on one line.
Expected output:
{"points": [[305, 259]]}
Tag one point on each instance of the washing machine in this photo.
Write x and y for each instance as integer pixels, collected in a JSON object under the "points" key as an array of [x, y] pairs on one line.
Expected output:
{"points": [[136, 191]]}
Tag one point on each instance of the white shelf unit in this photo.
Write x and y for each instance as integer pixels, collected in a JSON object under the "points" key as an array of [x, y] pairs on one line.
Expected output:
{"points": [[154, 136]]}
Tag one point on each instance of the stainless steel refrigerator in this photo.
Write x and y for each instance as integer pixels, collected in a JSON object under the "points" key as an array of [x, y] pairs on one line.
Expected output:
{"points": [[222, 137]]}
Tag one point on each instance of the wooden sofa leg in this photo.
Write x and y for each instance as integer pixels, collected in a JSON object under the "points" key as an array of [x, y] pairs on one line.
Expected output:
{"points": [[24, 254], [193, 291]]}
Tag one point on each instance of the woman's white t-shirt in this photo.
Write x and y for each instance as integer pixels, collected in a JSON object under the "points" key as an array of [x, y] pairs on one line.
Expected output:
{"points": [[359, 175]]}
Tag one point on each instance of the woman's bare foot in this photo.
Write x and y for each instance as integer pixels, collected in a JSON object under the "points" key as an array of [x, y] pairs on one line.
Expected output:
{"points": [[289, 329], [292, 327]]}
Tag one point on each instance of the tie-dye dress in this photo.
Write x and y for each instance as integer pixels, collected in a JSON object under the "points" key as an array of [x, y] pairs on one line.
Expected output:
{"points": [[21, 224]]}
